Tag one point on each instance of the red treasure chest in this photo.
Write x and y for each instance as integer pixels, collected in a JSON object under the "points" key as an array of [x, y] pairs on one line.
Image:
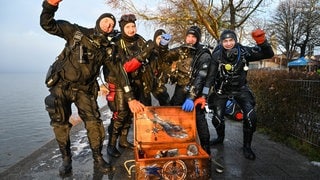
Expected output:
{"points": [[166, 146]]}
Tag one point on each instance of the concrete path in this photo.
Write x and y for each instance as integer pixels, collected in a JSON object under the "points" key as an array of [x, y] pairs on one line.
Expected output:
{"points": [[274, 160]]}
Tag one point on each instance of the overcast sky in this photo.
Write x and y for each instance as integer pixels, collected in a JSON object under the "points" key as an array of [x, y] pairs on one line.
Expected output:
{"points": [[26, 47]]}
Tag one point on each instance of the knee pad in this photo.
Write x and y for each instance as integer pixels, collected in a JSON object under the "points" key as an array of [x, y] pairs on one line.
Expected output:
{"points": [[55, 109]]}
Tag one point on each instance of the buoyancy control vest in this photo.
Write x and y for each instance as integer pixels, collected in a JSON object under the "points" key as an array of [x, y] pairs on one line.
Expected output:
{"points": [[186, 68], [231, 73], [79, 62], [142, 78]]}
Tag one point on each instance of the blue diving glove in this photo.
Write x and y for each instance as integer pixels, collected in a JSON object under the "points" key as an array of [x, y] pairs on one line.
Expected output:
{"points": [[165, 39], [188, 105]]}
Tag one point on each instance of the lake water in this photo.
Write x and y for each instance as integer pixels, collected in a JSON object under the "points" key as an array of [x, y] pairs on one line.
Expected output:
{"points": [[24, 122]]}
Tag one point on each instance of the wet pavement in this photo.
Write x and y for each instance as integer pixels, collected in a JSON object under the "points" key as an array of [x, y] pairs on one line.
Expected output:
{"points": [[274, 160]]}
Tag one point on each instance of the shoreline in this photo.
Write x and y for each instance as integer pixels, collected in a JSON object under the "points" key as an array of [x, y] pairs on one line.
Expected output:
{"points": [[44, 152], [21, 165]]}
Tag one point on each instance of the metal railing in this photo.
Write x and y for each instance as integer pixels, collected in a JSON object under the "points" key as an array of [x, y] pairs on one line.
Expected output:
{"points": [[305, 95]]}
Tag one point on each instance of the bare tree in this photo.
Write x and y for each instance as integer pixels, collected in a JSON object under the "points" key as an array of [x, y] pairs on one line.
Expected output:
{"points": [[211, 15], [310, 14], [296, 25]]}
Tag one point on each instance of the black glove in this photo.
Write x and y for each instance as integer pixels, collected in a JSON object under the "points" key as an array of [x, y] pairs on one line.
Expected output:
{"points": [[146, 51]]}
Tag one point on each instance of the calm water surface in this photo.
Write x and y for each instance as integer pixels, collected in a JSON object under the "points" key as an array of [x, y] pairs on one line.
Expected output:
{"points": [[24, 123]]}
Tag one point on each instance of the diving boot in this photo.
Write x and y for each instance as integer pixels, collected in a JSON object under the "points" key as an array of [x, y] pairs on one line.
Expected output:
{"points": [[111, 148], [247, 139], [248, 153], [100, 164], [113, 151], [66, 167]]}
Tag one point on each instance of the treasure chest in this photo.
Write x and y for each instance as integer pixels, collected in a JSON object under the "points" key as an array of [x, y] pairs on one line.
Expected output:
{"points": [[166, 147]]}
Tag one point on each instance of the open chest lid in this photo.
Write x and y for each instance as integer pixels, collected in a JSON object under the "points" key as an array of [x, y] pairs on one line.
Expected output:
{"points": [[164, 124]]}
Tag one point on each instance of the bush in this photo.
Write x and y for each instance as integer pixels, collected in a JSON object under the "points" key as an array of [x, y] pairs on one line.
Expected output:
{"points": [[279, 103]]}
